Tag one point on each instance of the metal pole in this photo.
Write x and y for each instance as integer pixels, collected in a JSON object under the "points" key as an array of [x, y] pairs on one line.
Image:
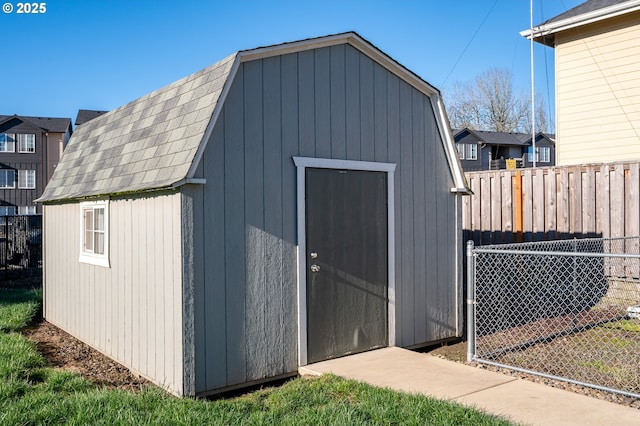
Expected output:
{"points": [[533, 103], [574, 310], [471, 300]]}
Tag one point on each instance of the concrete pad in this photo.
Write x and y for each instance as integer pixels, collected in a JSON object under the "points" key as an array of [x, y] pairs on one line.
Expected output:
{"points": [[518, 400], [537, 404], [409, 371]]}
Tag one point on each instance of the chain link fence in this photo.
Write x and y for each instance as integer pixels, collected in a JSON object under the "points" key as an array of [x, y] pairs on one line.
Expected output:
{"points": [[20, 246], [567, 310]]}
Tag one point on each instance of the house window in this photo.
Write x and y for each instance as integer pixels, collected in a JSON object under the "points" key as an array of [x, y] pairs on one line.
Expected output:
{"points": [[7, 142], [94, 233], [7, 211], [27, 143], [7, 178], [471, 151], [460, 147], [26, 179], [27, 210], [545, 154]]}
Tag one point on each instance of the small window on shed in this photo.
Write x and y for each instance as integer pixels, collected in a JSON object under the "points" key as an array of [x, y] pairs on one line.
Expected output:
{"points": [[94, 233]]}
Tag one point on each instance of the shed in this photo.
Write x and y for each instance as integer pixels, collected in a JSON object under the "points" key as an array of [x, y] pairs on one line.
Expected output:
{"points": [[286, 205]]}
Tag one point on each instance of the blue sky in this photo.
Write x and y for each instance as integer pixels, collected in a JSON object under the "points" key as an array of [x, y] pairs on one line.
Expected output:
{"points": [[100, 54]]}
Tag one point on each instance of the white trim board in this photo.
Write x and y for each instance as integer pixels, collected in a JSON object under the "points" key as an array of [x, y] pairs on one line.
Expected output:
{"points": [[325, 163]]}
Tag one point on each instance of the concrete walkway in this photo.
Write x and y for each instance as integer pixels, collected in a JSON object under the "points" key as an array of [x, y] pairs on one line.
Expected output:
{"points": [[518, 400]]}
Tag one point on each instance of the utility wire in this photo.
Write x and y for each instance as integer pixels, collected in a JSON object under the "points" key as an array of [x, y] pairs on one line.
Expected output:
{"points": [[469, 43]]}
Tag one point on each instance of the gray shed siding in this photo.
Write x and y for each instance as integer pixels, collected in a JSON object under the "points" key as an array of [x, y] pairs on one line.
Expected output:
{"points": [[131, 311], [332, 102]]}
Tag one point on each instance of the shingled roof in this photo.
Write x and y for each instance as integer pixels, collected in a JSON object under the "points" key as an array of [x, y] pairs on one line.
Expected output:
{"points": [[85, 115], [585, 13], [48, 124], [157, 141], [148, 143]]}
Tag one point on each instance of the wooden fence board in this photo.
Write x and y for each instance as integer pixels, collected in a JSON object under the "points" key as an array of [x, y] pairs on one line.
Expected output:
{"points": [[596, 200]]}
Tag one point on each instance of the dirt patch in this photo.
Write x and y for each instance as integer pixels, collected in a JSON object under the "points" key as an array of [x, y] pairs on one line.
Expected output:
{"points": [[64, 351], [458, 352]]}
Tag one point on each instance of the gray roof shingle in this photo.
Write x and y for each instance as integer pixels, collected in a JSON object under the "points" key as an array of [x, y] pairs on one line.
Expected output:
{"points": [[146, 144], [85, 115], [586, 7], [49, 124]]}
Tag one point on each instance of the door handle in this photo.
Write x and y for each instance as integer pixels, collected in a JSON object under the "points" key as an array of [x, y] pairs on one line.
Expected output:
{"points": [[315, 268]]}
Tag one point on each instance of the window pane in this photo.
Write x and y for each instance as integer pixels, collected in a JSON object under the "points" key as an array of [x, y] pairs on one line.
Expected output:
{"points": [[7, 142], [99, 219], [460, 147], [7, 178], [99, 243], [27, 179], [472, 152], [88, 230], [545, 154], [27, 210], [27, 143]]}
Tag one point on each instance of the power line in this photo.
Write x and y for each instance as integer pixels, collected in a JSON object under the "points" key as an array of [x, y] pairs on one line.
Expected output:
{"points": [[469, 43]]}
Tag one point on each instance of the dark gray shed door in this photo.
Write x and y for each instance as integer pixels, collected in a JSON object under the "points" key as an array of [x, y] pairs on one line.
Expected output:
{"points": [[347, 271]]}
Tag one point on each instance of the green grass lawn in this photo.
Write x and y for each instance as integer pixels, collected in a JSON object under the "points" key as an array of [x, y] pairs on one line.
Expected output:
{"points": [[33, 394]]}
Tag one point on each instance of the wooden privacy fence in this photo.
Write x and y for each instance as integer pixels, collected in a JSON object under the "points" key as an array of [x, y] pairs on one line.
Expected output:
{"points": [[595, 200]]}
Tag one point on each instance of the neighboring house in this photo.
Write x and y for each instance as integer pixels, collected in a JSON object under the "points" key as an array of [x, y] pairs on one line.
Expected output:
{"points": [[597, 56], [85, 115], [286, 205], [30, 149], [481, 150]]}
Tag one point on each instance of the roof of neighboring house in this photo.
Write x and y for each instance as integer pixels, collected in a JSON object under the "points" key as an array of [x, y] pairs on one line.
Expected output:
{"points": [[502, 138], [585, 13], [48, 124], [157, 141], [85, 115]]}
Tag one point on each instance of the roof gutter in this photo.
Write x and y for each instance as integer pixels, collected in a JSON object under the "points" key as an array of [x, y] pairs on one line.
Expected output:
{"points": [[544, 30]]}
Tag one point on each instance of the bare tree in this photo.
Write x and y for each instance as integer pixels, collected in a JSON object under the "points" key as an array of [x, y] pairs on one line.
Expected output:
{"points": [[491, 103]]}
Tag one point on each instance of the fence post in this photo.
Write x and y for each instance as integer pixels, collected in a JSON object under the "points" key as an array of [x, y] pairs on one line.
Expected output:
{"points": [[471, 300], [574, 293]]}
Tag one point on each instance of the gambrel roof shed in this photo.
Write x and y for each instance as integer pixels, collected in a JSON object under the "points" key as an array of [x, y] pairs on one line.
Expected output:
{"points": [[157, 140], [285, 205]]}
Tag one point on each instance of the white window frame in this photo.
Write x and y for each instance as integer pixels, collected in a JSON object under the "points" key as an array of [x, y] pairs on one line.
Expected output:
{"points": [[27, 144], [461, 147], [89, 255], [471, 151], [545, 154], [26, 179], [5, 143], [7, 179], [26, 210]]}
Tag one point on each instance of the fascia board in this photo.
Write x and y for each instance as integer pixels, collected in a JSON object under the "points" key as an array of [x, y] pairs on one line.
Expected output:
{"points": [[584, 19]]}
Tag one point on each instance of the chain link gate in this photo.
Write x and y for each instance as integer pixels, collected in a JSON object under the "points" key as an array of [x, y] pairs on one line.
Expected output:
{"points": [[567, 310]]}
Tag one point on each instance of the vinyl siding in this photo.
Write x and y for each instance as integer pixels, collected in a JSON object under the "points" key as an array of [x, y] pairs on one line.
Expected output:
{"points": [[132, 310], [332, 102], [598, 92]]}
